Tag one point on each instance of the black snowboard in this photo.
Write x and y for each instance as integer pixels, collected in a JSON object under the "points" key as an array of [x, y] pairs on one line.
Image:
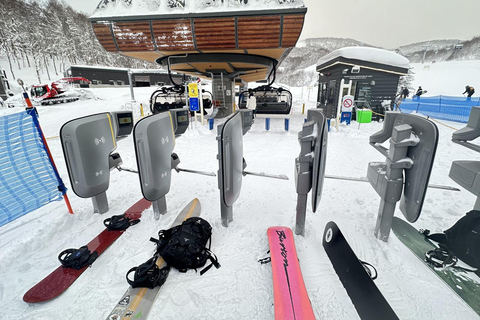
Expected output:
{"points": [[366, 297]]}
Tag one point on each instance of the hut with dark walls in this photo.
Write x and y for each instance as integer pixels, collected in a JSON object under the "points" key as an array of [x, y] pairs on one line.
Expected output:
{"points": [[370, 75], [119, 76]]}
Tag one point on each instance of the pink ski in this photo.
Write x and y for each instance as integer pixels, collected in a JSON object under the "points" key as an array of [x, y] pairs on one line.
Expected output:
{"points": [[290, 295]]}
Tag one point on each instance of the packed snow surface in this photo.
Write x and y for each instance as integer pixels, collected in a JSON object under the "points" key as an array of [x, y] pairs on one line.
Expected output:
{"points": [[119, 8], [376, 55], [241, 288]]}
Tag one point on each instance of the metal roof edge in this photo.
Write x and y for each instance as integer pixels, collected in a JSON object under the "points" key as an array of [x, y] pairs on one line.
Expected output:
{"points": [[361, 63], [188, 15]]}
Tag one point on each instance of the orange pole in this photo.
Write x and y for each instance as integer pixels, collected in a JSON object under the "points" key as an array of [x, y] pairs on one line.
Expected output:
{"points": [[65, 197], [27, 100]]}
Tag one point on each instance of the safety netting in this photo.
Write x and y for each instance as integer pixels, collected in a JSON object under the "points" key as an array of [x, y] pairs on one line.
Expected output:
{"points": [[28, 179], [441, 107]]}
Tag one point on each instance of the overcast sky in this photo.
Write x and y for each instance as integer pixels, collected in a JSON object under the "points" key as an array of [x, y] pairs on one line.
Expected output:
{"points": [[385, 23]]}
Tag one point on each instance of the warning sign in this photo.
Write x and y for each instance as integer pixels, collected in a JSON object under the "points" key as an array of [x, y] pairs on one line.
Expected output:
{"points": [[193, 90], [347, 103]]}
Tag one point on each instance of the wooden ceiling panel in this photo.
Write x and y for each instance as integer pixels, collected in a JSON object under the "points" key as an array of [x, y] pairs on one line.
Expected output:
{"points": [[215, 33], [104, 35], [173, 35], [272, 53], [149, 56], [292, 28], [256, 76], [258, 32], [133, 36]]}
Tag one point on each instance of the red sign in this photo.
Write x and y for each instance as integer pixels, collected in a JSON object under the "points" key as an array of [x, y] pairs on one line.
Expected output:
{"points": [[347, 103]]}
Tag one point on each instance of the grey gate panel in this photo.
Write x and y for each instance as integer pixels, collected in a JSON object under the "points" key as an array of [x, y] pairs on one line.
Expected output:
{"points": [[231, 164], [154, 140], [421, 154], [87, 143], [232, 159], [320, 155], [467, 173], [472, 130]]}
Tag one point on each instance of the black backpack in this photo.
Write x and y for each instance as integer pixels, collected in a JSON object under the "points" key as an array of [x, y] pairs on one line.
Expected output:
{"points": [[463, 239], [185, 246]]}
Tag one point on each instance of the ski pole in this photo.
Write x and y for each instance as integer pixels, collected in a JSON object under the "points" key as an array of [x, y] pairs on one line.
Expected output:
{"points": [[365, 179], [266, 175]]}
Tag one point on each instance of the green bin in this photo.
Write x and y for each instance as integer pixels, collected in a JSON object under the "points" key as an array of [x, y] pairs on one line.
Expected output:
{"points": [[364, 116]]}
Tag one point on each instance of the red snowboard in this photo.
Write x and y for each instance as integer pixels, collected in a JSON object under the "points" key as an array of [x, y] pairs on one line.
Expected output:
{"points": [[59, 280]]}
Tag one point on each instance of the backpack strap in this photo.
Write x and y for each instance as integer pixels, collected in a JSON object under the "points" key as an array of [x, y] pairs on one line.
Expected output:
{"points": [[213, 258], [148, 274], [119, 222], [163, 238], [77, 258]]}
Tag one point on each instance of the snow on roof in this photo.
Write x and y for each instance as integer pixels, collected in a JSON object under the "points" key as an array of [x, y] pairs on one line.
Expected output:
{"points": [[375, 55], [119, 8], [120, 69]]}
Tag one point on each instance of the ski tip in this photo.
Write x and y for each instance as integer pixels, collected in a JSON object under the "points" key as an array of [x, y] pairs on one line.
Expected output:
{"points": [[279, 228], [331, 232], [32, 298], [195, 202]]}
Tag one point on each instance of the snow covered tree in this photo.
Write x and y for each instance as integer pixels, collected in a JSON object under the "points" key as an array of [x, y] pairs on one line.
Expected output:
{"points": [[406, 81]]}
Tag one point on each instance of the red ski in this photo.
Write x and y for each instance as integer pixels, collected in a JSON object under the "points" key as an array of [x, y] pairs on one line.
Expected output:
{"points": [[59, 280]]}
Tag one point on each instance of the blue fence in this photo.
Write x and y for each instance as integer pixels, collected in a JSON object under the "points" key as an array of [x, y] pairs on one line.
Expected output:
{"points": [[441, 107], [28, 180]]}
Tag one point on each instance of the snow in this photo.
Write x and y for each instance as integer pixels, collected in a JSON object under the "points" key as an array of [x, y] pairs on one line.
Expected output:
{"points": [[241, 288], [157, 7], [376, 55], [447, 78]]}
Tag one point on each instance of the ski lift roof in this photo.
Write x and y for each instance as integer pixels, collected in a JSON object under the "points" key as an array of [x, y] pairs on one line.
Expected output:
{"points": [[119, 69], [365, 54], [111, 9], [244, 40]]}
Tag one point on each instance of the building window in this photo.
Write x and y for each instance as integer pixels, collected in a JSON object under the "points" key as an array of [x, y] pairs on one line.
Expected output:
{"points": [[331, 92]]}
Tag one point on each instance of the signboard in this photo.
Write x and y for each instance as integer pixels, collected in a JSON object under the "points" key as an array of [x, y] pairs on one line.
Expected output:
{"points": [[347, 103], [193, 90], [194, 105]]}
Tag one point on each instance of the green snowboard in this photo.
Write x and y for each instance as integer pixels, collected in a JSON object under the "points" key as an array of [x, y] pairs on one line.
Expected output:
{"points": [[465, 284]]}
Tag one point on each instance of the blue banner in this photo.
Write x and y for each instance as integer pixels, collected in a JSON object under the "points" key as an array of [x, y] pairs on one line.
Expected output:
{"points": [[441, 107], [28, 179]]}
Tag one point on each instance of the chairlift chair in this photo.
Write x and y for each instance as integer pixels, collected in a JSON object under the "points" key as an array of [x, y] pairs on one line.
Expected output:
{"points": [[270, 100]]}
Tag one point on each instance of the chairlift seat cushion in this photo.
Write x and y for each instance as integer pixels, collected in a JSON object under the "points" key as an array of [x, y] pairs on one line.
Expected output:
{"points": [[273, 108]]}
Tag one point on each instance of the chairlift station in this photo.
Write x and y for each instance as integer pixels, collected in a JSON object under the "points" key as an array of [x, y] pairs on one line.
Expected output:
{"points": [[227, 42]]}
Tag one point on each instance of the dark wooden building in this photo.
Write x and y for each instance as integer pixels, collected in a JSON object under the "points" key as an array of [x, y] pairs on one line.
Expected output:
{"points": [[370, 75], [119, 76]]}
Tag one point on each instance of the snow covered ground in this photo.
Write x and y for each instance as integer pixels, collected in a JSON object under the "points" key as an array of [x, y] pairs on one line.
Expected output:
{"points": [[447, 78], [241, 288]]}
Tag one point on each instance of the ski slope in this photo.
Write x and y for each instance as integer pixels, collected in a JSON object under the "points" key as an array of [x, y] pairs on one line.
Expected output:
{"points": [[242, 287]]}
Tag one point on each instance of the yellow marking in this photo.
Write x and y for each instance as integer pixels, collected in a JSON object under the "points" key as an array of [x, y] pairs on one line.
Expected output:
{"points": [[171, 126], [139, 296], [446, 125], [111, 130], [136, 301]]}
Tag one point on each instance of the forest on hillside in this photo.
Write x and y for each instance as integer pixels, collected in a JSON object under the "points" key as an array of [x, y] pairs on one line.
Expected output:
{"points": [[52, 36]]}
